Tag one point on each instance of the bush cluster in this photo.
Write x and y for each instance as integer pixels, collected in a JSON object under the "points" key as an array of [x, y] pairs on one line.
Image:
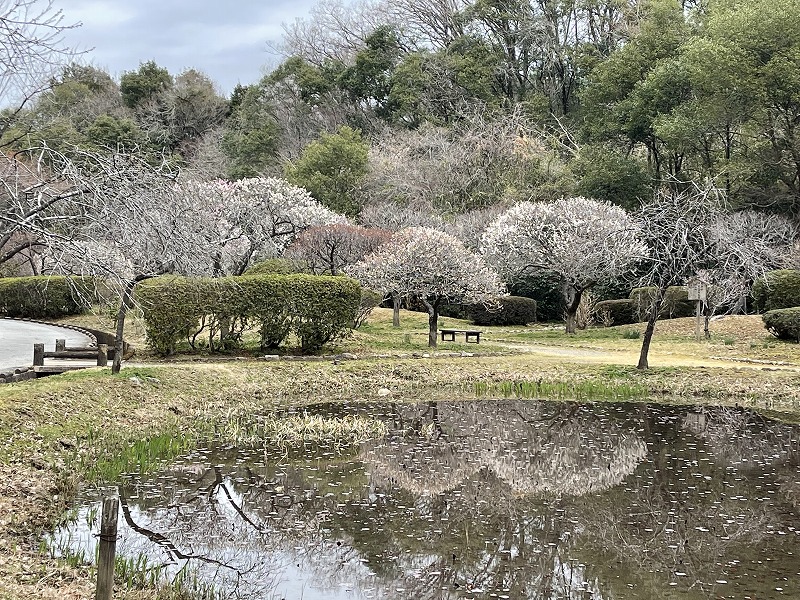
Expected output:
{"points": [[45, 297], [513, 310], [216, 312], [783, 323], [777, 290]]}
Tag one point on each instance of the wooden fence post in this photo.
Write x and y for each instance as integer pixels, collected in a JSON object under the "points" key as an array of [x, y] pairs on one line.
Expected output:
{"points": [[102, 355], [38, 355], [108, 548], [61, 345]]}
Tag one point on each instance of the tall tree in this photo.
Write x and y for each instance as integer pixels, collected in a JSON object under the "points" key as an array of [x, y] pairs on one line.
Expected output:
{"points": [[147, 82], [331, 168]]}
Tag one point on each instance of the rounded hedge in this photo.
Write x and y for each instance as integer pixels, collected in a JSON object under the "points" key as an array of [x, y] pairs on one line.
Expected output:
{"points": [[512, 310], [616, 312], [783, 323], [777, 290], [317, 309], [45, 296]]}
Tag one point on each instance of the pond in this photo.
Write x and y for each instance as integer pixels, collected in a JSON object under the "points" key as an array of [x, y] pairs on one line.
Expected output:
{"points": [[478, 500]]}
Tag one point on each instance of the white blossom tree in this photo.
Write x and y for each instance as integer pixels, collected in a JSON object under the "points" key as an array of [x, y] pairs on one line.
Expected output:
{"points": [[433, 267], [253, 218], [750, 243], [582, 241]]}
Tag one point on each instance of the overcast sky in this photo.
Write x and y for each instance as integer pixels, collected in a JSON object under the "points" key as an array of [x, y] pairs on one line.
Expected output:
{"points": [[226, 40]]}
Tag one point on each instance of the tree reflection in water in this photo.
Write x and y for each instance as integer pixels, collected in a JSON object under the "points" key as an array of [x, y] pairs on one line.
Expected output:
{"points": [[516, 499]]}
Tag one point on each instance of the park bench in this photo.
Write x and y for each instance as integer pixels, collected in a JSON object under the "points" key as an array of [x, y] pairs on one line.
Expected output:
{"points": [[471, 336]]}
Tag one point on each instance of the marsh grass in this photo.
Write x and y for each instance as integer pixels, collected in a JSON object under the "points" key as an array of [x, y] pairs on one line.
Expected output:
{"points": [[284, 432], [562, 390]]}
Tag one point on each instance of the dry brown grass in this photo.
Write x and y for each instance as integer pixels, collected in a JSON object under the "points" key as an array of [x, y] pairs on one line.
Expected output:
{"points": [[45, 425]]}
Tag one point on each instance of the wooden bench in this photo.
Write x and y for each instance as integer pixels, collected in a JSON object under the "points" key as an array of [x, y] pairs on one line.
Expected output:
{"points": [[471, 336]]}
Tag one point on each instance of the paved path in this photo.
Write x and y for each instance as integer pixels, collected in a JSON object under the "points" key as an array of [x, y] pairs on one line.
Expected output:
{"points": [[18, 337]]}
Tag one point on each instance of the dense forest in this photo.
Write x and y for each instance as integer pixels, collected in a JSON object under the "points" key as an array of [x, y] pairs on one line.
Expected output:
{"points": [[447, 106]]}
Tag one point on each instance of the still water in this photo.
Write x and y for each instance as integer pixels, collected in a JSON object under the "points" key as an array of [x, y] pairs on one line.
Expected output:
{"points": [[477, 500]]}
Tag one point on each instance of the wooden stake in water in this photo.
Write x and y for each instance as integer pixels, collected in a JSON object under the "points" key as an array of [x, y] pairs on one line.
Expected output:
{"points": [[108, 548]]}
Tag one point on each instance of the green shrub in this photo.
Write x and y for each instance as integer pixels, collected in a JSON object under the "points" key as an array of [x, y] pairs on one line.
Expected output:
{"points": [[316, 309], [615, 312], [631, 334], [512, 310], [776, 290], [783, 323], [272, 266], [676, 303], [174, 309], [45, 297], [545, 288]]}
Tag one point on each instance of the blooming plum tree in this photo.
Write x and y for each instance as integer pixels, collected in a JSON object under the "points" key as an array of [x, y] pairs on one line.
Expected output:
{"points": [[253, 218], [582, 241], [328, 249], [433, 267]]}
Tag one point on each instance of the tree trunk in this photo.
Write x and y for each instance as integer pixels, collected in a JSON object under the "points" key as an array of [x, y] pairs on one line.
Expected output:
{"points": [[572, 300], [433, 321], [124, 305], [396, 309], [651, 327]]}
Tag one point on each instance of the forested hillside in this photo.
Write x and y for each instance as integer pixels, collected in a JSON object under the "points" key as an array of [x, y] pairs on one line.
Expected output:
{"points": [[446, 106]]}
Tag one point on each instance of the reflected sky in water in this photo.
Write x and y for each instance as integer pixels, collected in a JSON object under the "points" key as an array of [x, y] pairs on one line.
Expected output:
{"points": [[460, 500]]}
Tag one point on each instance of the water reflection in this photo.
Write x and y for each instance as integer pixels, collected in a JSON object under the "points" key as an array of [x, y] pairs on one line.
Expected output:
{"points": [[513, 499]]}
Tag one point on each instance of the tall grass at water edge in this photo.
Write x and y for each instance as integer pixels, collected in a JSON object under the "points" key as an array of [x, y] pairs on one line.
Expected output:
{"points": [[561, 390]]}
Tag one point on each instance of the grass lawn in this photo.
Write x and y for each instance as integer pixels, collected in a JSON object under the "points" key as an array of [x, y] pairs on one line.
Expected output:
{"points": [[60, 432]]}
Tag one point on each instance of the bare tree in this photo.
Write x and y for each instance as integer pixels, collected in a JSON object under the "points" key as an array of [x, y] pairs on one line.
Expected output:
{"points": [[678, 227], [750, 243], [131, 223], [329, 249], [434, 268], [32, 51], [582, 241], [473, 164], [336, 30]]}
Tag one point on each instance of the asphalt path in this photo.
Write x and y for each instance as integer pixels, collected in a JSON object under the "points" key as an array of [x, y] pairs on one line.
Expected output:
{"points": [[18, 337]]}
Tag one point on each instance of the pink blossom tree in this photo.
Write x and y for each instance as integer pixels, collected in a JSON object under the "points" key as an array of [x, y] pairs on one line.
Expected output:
{"points": [[329, 249]]}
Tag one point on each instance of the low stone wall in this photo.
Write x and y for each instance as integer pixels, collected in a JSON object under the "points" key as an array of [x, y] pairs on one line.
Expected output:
{"points": [[21, 374]]}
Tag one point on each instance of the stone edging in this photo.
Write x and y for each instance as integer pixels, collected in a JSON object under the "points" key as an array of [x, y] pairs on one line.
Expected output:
{"points": [[25, 373]]}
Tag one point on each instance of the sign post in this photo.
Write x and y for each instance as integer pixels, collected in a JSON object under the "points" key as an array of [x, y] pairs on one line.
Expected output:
{"points": [[698, 291]]}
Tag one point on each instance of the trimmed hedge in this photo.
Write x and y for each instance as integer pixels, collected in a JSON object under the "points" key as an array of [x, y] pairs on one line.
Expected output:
{"points": [[45, 296], [783, 323], [616, 312], [317, 309], [676, 303], [513, 310], [777, 290]]}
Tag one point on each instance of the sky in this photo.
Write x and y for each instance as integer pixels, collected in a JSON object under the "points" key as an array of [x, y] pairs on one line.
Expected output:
{"points": [[228, 41]]}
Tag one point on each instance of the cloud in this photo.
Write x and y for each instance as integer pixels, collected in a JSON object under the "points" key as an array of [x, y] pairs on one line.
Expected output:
{"points": [[229, 43]]}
